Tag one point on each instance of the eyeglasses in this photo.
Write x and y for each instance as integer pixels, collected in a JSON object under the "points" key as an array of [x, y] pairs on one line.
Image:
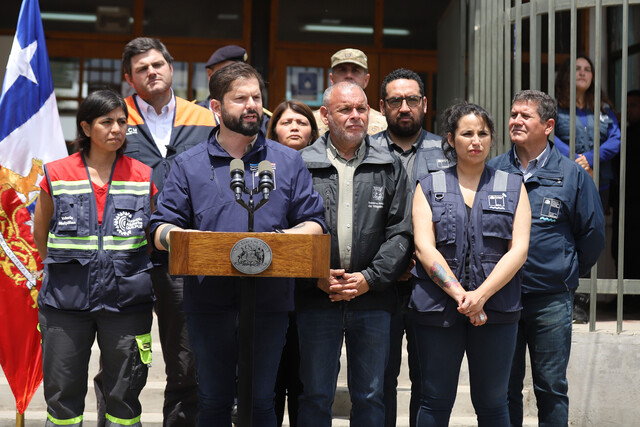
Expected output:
{"points": [[412, 101]]}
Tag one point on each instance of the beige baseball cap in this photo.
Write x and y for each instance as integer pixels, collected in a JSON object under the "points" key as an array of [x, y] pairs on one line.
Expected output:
{"points": [[354, 56]]}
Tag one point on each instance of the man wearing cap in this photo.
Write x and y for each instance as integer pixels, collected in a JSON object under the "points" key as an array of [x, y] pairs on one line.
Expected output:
{"points": [[222, 57], [351, 65]]}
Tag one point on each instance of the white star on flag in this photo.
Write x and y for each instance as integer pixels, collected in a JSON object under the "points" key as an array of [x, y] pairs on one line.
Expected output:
{"points": [[19, 63]]}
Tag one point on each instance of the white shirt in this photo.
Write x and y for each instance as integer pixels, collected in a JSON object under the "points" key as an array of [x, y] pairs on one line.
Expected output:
{"points": [[160, 125]]}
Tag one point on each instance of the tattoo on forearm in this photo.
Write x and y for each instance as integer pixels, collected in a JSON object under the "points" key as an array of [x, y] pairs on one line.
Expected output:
{"points": [[440, 277]]}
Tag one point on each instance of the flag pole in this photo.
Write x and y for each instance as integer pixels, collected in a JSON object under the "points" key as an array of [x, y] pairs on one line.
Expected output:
{"points": [[19, 419]]}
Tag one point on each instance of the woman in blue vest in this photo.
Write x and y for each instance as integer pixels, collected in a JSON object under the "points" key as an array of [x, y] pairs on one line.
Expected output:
{"points": [[471, 229], [585, 121], [90, 229]]}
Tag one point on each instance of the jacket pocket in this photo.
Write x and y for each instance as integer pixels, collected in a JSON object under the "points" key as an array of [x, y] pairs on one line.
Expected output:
{"points": [[67, 283], [133, 279], [72, 217], [144, 347], [497, 223], [130, 218], [445, 223], [139, 361]]}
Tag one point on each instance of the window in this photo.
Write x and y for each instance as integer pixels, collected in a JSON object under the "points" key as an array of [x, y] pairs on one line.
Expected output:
{"points": [[329, 21], [193, 18]]}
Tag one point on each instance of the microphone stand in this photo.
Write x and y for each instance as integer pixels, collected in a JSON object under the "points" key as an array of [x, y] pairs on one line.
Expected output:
{"points": [[246, 325], [251, 209]]}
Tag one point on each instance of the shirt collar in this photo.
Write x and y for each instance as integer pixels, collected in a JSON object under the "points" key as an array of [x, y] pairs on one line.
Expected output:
{"points": [[147, 109], [538, 162], [397, 148], [333, 151]]}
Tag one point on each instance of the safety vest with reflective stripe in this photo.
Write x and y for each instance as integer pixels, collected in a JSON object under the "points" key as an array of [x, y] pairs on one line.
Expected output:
{"points": [[91, 266]]}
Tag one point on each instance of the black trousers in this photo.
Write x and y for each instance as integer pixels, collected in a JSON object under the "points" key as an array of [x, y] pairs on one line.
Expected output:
{"points": [[67, 338], [180, 407]]}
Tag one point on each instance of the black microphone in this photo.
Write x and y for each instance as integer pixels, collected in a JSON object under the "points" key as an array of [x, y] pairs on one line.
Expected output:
{"points": [[265, 173], [236, 169]]}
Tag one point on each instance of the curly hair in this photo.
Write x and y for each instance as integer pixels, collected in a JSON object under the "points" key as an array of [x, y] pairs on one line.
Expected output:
{"points": [[450, 119]]}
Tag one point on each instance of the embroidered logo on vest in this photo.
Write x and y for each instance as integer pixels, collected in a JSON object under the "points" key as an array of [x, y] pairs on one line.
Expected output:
{"points": [[497, 201], [132, 131], [124, 223]]}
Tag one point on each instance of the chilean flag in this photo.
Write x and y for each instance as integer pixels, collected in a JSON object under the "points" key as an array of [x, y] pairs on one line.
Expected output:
{"points": [[30, 135]]}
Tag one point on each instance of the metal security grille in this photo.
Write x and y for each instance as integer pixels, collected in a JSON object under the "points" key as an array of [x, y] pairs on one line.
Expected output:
{"points": [[495, 73]]}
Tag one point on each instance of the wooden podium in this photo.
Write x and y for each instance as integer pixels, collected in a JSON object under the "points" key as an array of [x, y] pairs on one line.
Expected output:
{"points": [[209, 253]]}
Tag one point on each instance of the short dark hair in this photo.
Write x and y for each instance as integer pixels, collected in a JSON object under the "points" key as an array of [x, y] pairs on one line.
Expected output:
{"points": [[297, 107], [142, 45], [547, 106], [401, 73], [221, 81], [450, 119], [97, 104]]}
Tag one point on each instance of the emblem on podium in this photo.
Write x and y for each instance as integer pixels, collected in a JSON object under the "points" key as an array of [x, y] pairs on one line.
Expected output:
{"points": [[251, 255]]}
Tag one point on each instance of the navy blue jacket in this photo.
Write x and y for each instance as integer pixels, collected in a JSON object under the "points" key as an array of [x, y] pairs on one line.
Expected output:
{"points": [[567, 224], [491, 227], [197, 196]]}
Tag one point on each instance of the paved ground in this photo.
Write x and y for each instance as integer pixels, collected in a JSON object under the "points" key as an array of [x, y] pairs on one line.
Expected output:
{"points": [[152, 394]]}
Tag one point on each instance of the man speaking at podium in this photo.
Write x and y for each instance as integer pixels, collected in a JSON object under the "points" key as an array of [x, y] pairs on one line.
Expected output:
{"points": [[197, 196]]}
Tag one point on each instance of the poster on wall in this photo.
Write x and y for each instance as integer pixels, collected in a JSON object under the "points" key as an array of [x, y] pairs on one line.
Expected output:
{"points": [[305, 84]]}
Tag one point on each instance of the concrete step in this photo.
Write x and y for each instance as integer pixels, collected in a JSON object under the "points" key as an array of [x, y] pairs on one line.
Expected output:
{"points": [[152, 396]]}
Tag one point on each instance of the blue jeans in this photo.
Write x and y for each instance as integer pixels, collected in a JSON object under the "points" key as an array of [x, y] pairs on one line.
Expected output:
{"points": [[399, 324], [545, 327], [214, 342], [366, 334], [489, 352]]}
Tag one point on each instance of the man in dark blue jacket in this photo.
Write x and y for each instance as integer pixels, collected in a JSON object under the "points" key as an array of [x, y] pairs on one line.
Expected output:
{"points": [[404, 105], [197, 196], [567, 236]]}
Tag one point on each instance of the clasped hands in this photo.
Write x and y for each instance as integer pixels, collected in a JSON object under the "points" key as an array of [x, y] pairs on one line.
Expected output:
{"points": [[471, 304], [343, 286]]}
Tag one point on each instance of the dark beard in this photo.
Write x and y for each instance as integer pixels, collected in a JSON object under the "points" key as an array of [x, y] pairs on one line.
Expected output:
{"points": [[404, 131], [238, 125]]}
